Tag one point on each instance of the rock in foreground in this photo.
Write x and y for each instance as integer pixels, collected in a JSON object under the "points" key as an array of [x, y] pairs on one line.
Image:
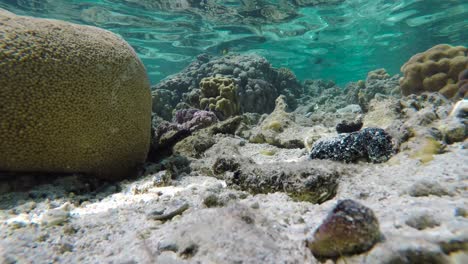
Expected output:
{"points": [[350, 228], [373, 144], [314, 182]]}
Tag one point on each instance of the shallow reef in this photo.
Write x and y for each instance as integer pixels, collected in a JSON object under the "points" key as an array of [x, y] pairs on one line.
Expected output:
{"points": [[257, 82], [246, 162]]}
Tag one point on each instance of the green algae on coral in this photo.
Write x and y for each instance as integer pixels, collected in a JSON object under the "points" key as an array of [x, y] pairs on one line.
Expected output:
{"points": [[429, 148], [274, 125], [267, 152]]}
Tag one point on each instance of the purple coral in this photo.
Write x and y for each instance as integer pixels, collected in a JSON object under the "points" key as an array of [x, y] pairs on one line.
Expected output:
{"points": [[167, 134], [184, 115], [194, 119]]}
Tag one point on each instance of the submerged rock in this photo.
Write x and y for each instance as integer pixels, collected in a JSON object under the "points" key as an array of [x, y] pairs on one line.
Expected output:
{"points": [[279, 128], [167, 134], [422, 221], [460, 109], [382, 112], [197, 143], [349, 127], [426, 188], [454, 130], [186, 121], [373, 144], [350, 228], [326, 96], [455, 127], [305, 181], [351, 108], [57, 216]]}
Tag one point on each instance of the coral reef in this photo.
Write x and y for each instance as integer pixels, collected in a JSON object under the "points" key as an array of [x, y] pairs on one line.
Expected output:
{"points": [[463, 84], [326, 96], [197, 143], [373, 144], [378, 83], [163, 102], [167, 134], [257, 82], [194, 119], [92, 115], [259, 96], [382, 112], [219, 95], [436, 69], [244, 190], [429, 125], [279, 128], [323, 96], [350, 228]]}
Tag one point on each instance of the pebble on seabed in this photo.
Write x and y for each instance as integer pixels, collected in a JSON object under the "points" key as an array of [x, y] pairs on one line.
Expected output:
{"points": [[350, 228]]}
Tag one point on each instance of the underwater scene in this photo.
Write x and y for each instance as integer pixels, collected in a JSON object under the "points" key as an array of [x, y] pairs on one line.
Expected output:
{"points": [[234, 131]]}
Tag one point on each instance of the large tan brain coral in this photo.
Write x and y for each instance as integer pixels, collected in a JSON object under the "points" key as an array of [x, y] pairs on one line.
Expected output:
{"points": [[72, 99], [434, 70]]}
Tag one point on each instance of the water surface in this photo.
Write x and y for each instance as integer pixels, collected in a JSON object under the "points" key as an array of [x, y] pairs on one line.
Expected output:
{"points": [[332, 39]]}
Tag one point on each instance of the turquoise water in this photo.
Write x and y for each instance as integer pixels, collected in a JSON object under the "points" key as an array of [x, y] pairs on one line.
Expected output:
{"points": [[332, 39]]}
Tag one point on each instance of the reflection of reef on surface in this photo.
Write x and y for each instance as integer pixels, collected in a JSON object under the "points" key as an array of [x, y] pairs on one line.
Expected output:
{"points": [[244, 12]]}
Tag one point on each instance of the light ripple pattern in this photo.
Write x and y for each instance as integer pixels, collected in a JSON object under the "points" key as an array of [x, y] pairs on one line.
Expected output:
{"points": [[340, 40]]}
